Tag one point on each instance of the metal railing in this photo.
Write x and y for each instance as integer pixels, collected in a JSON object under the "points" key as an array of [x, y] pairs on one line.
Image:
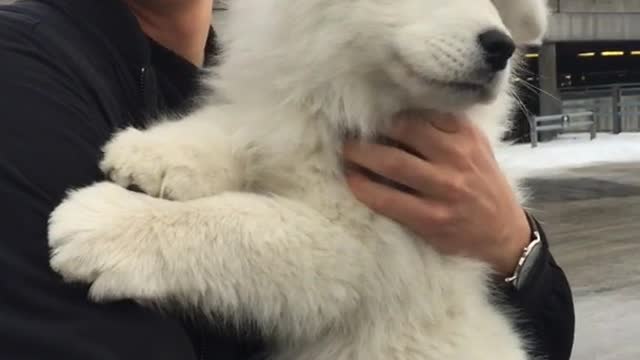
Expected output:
{"points": [[616, 106], [562, 122]]}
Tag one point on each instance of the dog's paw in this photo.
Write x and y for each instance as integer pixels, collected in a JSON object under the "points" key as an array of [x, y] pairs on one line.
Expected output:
{"points": [[165, 167], [95, 238]]}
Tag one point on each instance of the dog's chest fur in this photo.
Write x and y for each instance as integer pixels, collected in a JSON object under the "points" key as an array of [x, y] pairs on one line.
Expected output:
{"points": [[414, 303]]}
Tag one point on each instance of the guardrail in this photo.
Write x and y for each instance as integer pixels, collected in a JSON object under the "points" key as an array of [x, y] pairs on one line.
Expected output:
{"points": [[616, 106], [561, 122]]}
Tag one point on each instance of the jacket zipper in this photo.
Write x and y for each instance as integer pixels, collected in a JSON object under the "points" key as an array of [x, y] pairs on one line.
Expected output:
{"points": [[143, 72], [203, 340]]}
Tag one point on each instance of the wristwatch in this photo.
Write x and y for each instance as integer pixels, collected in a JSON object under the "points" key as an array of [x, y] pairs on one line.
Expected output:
{"points": [[529, 257]]}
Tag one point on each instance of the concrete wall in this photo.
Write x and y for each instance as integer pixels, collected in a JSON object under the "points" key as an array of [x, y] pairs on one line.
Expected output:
{"points": [[594, 27], [596, 6], [594, 20]]}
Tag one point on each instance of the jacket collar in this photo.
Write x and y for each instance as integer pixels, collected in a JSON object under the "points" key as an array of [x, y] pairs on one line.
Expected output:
{"points": [[99, 16], [113, 23]]}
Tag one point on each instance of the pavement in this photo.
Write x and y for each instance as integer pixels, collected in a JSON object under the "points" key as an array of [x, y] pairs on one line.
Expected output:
{"points": [[592, 217]]}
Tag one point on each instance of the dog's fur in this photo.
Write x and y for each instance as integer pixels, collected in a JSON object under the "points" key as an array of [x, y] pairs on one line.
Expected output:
{"points": [[264, 228]]}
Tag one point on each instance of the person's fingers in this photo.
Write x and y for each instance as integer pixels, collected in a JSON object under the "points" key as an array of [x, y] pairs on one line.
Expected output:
{"points": [[416, 213], [423, 132], [399, 166], [449, 123], [425, 137]]}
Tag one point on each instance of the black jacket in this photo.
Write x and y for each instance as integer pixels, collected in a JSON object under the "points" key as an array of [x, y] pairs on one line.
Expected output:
{"points": [[71, 72]]}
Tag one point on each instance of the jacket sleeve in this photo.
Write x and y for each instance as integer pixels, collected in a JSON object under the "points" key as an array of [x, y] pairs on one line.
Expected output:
{"points": [[545, 303], [51, 131]]}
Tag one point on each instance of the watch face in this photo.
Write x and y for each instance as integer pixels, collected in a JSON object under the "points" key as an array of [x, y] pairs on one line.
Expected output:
{"points": [[529, 264]]}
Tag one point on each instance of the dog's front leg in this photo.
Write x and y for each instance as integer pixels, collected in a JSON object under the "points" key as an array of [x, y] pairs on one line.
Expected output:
{"points": [[245, 256], [182, 159]]}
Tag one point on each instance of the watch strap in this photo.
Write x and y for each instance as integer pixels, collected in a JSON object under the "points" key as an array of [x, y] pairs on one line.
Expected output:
{"points": [[528, 254]]}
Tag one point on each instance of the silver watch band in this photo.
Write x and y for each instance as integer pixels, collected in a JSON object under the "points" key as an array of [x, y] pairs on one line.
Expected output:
{"points": [[529, 255]]}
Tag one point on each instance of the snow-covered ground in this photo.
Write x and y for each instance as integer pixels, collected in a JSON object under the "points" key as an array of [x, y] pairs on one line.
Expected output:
{"points": [[599, 261], [571, 151], [607, 326]]}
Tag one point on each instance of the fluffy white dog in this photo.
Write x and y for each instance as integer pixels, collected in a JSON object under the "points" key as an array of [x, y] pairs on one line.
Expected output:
{"points": [[261, 226]]}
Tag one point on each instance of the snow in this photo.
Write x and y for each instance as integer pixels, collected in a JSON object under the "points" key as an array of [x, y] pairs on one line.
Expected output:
{"points": [[607, 326], [570, 151]]}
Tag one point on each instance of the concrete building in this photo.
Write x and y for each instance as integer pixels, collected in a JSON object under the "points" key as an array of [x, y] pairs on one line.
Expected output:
{"points": [[594, 20], [590, 60]]}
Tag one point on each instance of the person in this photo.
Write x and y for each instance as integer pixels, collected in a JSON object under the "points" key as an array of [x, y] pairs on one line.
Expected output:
{"points": [[74, 71]]}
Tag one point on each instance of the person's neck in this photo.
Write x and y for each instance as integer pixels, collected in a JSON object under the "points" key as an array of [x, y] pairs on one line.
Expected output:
{"points": [[179, 25]]}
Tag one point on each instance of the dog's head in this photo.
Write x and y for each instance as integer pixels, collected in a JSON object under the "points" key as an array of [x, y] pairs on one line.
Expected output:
{"points": [[358, 59]]}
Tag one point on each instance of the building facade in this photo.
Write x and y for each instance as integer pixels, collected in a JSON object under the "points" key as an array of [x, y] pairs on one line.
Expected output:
{"points": [[590, 60]]}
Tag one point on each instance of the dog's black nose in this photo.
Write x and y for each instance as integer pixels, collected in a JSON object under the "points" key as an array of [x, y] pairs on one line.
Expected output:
{"points": [[498, 48]]}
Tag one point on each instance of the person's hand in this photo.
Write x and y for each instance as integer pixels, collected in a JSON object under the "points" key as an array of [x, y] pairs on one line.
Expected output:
{"points": [[459, 200]]}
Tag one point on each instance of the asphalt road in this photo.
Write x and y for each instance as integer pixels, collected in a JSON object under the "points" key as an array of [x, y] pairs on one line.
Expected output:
{"points": [[592, 217]]}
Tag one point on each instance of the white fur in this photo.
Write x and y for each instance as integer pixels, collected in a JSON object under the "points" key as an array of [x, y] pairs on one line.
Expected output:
{"points": [[265, 229]]}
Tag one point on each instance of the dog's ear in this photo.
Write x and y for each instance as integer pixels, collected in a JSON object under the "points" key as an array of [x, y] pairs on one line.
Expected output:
{"points": [[527, 20]]}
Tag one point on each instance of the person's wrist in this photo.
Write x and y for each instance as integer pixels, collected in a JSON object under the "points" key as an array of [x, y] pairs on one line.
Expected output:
{"points": [[516, 240]]}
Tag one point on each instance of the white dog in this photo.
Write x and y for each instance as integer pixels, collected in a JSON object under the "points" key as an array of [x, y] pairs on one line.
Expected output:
{"points": [[262, 226]]}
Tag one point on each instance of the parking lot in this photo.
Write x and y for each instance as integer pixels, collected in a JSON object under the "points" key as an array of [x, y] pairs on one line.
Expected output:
{"points": [[592, 215]]}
